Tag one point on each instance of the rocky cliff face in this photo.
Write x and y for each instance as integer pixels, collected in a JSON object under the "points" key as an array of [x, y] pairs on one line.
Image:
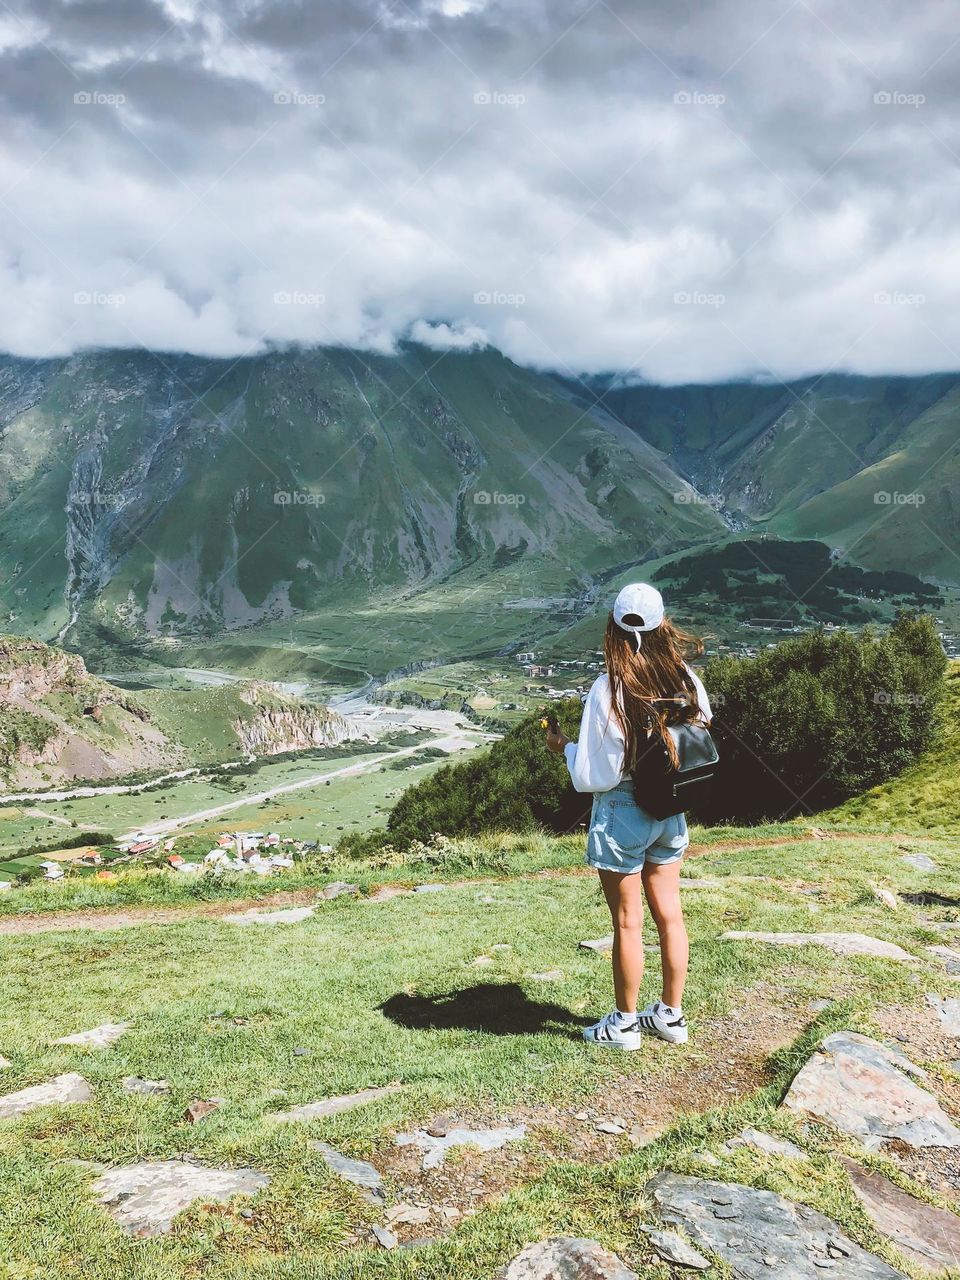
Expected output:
{"points": [[279, 724]]}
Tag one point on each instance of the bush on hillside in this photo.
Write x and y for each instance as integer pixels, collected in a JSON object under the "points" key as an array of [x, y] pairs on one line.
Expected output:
{"points": [[516, 786], [822, 717], [800, 727]]}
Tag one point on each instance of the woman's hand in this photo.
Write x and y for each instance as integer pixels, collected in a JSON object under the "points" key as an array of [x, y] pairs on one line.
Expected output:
{"points": [[556, 742]]}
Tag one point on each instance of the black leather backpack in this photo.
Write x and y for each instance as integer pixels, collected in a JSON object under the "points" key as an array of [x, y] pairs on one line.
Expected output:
{"points": [[663, 788]]}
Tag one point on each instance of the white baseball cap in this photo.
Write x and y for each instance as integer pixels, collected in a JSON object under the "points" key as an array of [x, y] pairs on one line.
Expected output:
{"points": [[638, 608]]}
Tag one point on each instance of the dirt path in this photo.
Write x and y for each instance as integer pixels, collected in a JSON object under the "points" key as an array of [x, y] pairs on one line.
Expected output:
{"points": [[131, 917]]}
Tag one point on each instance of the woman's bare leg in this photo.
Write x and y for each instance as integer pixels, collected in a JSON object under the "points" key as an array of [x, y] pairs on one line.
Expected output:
{"points": [[661, 883], [624, 895]]}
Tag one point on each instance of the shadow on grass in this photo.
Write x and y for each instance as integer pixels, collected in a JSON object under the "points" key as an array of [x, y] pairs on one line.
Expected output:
{"points": [[500, 1009]]}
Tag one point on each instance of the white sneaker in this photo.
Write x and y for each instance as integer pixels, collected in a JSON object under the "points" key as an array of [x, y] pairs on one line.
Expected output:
{"points": [[611, 1033], [651, 1021]]}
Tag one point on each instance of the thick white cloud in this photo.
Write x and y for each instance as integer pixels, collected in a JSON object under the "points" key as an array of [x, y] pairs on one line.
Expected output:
{"points": [[688, 192]]}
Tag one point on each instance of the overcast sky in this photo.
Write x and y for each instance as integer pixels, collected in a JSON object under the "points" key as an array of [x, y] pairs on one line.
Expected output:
{"points": [[692, 191]]}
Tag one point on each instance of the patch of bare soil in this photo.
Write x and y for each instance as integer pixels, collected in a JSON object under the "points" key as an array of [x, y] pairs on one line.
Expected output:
{"points": [[727, 1058]]}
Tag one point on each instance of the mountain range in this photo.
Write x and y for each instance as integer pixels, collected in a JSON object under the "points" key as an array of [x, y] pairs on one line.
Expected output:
{"points": [[360, 510]]}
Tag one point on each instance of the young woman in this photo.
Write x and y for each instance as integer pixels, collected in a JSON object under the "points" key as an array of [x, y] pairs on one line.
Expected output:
{"points": [[635, 855]]}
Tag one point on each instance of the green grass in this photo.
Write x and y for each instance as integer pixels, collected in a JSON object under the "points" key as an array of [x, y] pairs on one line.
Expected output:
{"points": [[324, 984]]}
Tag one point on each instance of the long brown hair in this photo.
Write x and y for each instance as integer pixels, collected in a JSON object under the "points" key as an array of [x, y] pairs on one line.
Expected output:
{"points": [[639, 678]]}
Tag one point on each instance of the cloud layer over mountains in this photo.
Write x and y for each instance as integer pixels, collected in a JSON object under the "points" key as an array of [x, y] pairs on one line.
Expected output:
{"points": [[688, 192]]}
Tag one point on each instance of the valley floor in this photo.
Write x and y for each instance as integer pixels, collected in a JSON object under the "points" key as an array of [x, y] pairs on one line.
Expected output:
{"points": [[464, 1004]]}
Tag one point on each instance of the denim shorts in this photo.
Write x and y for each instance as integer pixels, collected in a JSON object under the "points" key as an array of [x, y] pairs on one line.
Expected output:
{"points": [[622, 836]]}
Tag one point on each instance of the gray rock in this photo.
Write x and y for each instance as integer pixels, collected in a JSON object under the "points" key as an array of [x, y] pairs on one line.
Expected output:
{"points": [[289, 915], [384, 1237], [869, 1090], [4, 1062], [764, 1234], [928, 1236], [950, 957], [566, 1258], [675, 1249], [768, 1144], [333, 1106], [948, 1011], [134, 1084], [611, 1126], [920, 862], [429, 888], [435, 1147], [97, 1037], [339, 889], [844, 944], [145, 1198], [61, 1090], [358, 1172], [598, 944], [549, 975], [408, 1215]]}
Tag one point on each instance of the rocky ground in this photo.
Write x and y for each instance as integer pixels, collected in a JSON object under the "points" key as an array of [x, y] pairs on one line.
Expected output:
{"points": [[811, 1124]]}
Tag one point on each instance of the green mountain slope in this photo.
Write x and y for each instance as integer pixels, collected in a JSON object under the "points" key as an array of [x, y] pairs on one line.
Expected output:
{"points": [[815, 459], [145, 496]]}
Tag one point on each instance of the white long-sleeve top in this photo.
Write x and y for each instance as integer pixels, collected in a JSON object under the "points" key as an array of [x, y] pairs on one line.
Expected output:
{"points": [[596, 760]]}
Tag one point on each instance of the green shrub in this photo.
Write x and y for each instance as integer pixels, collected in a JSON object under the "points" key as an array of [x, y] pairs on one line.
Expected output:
{"points": [[822, 717]]}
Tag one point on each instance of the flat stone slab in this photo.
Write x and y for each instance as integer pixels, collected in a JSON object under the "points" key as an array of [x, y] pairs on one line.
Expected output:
{"points": [[950, 957], [870, 1091], [928, 1236], [844, 944], [97, 1037], [339, 889], [67, 1088], [149, 1088], [145, 1198], [920, 862], [358, 1172], [566, 1258], [760, 1234], [334, 1106], [435, 1148], [948, 1011], [549, 975], [598, 944], [673, 1248], [768, 1144], [288, 915]]}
